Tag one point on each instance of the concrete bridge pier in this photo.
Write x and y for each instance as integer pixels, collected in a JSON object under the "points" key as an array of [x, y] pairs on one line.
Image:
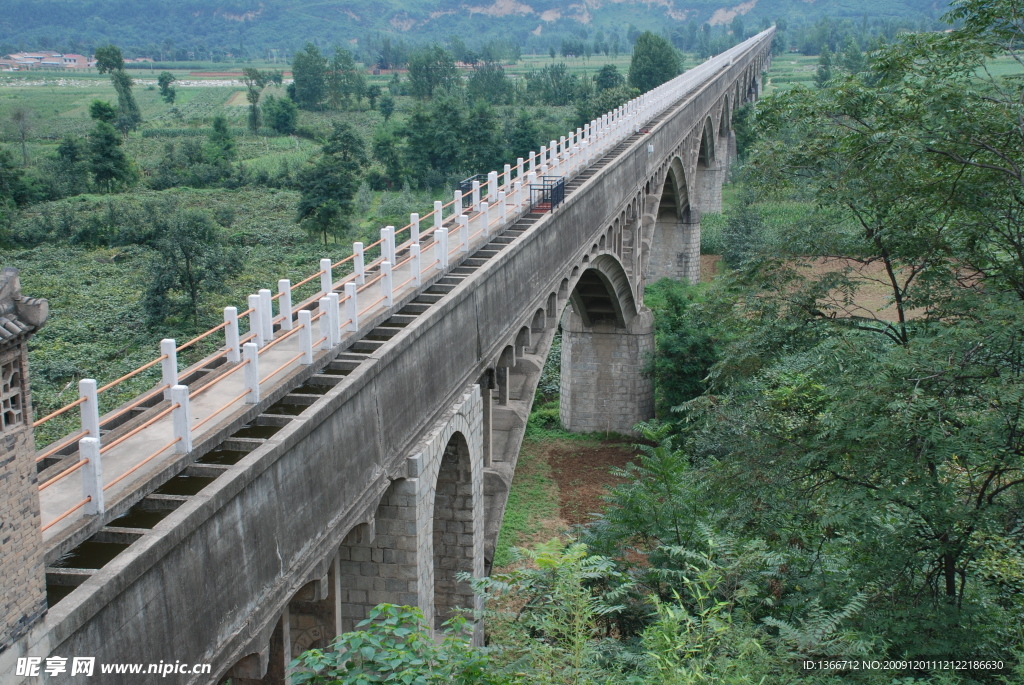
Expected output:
{"points": [[603, 386], [607, 340]]}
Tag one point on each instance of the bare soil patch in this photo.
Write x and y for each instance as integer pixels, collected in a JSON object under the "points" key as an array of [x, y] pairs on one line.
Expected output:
{"points": [[582, 471], [709, 265]]}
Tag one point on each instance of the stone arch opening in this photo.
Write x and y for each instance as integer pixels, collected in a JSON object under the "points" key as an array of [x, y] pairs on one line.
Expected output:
{"points": [[674, 238], [708, 175], [539, 321], [606, 338], [453, 529], [522, 341]]}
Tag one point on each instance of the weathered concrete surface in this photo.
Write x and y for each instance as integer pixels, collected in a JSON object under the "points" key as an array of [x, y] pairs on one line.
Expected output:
{"points": [[212, 581]]}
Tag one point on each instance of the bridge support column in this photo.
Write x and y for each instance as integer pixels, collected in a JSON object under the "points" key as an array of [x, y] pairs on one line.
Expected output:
{"points": [[710, 192], [313, 613], [675, 249], [603, 387]]}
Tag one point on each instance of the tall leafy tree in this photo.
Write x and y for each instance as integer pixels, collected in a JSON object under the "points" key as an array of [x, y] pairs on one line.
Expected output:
{"points": [[109, 60], [109, 164], [280, 114], [255, 81], [432, 69], [191, 262], [654, 62], [167, 91], [327, 202], [309, 71]]}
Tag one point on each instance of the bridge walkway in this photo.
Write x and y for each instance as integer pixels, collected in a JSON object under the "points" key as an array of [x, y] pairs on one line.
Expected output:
{"points": [[130, 463]]}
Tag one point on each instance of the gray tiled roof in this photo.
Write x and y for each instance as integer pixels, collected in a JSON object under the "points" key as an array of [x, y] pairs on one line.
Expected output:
{"points": [[19, 315]]}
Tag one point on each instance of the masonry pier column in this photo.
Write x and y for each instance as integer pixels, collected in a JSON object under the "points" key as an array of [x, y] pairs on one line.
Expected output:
{"points": [[313, 621], [603, 387], [675, 249], [378, 561], [710, 193]]}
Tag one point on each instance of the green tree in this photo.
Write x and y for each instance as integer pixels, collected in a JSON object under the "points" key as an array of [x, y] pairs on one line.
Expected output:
{"points": [[345, 82], [431, 69], [387, 151], [654, 62], [327, 200], [280, 114], [387, 106], [488, 82], [103, 111], [109, 60], [372, 93], [22, 119], [609, 77], [255, 81], [109, 164], [191, 261], [167, 91], [220, 145], [823, 74], [309, 72]]}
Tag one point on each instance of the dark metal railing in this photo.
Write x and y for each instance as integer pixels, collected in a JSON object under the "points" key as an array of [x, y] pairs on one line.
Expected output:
{"points": [[547, 194]]}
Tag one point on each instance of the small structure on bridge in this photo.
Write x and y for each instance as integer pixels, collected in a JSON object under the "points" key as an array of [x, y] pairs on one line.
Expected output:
{"points": [[22, 579]]}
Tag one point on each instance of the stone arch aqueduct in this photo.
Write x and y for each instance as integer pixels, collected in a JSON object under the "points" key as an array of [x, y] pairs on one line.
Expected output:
{"points": [[364, 441]]}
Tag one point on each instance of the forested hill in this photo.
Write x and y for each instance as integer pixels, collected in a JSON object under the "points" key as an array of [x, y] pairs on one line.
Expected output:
{"points": [[194, 29]]}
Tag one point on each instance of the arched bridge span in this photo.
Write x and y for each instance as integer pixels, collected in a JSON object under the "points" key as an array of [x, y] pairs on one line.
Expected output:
{"points": [[395, 447]]}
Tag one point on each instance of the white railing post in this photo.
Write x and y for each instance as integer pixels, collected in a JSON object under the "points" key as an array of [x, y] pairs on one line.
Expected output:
{"points": [[508, 176], [90, 408], [325, 324], [385, 284], [92, 475], [414, 228], [306, 336], [181, 418], [335, 317], [326, 278], [231, 334], [463, 233], [441, 248], [255, 327], [475, 199], [487, 218], [251, 355], [517, 198], [266, 314], [168, 366], [492, 186], [358, 263], [519, 168], [543, 155], [351, 307], [503, 208], [387, 244], [533, 161], [457, 203], [438, 210], [284, 303], [414, 263]]}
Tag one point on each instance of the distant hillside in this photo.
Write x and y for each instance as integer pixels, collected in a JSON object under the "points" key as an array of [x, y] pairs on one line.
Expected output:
{"points": [[251, 27]]}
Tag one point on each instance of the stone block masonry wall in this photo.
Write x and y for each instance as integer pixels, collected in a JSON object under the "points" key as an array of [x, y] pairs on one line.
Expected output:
{"points": [[22, 579], [453, 532], [676, 252], [427, 527], [603, 386], [380, 565]]}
